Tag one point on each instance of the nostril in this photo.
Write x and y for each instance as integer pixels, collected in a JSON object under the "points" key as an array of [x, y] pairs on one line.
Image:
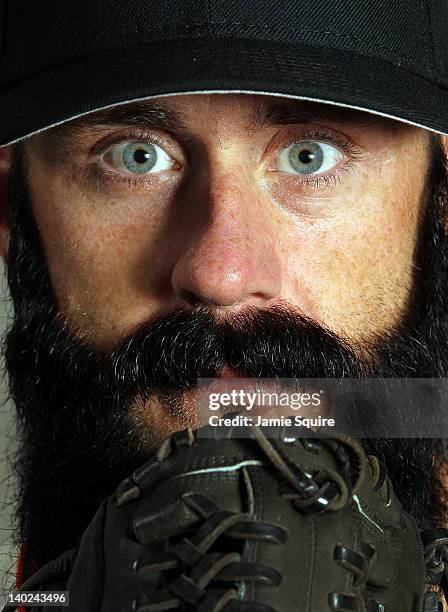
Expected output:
{"points": [[190, 297]]}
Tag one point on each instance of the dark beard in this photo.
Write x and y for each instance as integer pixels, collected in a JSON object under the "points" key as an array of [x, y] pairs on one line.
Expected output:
{"points": [[77, 438]]}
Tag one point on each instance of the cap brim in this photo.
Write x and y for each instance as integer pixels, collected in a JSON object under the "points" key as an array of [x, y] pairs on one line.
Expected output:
{"points": [[168, 67]]}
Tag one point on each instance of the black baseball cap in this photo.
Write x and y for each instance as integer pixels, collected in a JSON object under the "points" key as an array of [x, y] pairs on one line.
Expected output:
{"points": [[60, 59]]}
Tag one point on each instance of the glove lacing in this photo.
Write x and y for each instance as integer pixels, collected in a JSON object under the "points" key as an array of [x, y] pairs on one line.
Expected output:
{"points": [[208, 578], [330, 490]]}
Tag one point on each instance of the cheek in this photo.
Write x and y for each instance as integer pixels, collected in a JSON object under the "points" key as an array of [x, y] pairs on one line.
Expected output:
{"points": [[355, 268], [104, 254]]}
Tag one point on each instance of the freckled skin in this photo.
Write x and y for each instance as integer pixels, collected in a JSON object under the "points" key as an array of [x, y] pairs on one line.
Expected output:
{"points": [[358, 266], [225, 231]]}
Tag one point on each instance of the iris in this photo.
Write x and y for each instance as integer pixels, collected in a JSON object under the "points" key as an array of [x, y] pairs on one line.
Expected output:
{"points": [[139, 157], [306, 157]]}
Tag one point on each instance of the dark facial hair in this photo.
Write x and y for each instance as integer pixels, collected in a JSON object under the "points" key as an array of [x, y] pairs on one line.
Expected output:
{"points": [[77, 440]]}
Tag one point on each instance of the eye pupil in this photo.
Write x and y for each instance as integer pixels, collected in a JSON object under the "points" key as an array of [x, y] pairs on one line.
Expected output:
{"points": [[141, 156], [306, 156]]}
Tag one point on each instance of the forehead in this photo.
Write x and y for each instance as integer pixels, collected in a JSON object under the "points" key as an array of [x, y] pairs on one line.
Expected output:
{"points": [[255, 112]]}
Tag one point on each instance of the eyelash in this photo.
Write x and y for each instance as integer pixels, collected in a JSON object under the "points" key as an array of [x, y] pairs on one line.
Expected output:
{"points": [[353, 152]]}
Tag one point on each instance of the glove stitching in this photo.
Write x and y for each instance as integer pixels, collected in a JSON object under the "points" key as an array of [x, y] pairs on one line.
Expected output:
{"points": [[312, 564], [258, 493]]}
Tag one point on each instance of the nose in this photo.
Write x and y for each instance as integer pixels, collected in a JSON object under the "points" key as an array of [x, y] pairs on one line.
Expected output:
{"points": [[231, 258]]}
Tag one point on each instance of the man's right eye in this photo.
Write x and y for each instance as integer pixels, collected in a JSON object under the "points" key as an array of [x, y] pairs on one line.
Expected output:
{"points": [[135, 157]]}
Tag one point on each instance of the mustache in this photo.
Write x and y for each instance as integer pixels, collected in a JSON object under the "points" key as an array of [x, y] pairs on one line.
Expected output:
{"points": [[172, 352], [169, 354]]}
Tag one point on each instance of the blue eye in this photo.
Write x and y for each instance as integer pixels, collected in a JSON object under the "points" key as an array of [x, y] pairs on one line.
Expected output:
{"points": [[308, 158], [134, 157]]}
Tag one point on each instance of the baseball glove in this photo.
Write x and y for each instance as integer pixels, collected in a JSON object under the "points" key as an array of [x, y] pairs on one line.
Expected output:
{"points": [[253, 525]]}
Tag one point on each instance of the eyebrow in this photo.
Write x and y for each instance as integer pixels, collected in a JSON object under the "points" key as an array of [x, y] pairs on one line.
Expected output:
{"points": [[134, 114], [272, 115], [63, 138]]}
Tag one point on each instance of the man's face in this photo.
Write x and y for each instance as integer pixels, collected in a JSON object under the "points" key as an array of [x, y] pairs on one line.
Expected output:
{"points": [[229, 201], [200, 235]]}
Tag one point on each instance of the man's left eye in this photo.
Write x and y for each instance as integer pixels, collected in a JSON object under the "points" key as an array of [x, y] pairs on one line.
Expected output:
{"points": [[309, 157], [134, 157]]}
